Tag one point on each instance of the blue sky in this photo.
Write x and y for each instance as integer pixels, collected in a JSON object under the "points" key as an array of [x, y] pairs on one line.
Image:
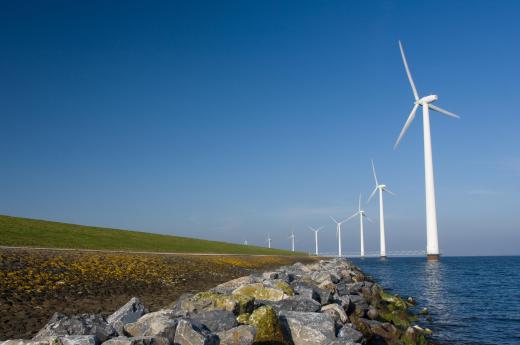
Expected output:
{"points": [[228, 120]]}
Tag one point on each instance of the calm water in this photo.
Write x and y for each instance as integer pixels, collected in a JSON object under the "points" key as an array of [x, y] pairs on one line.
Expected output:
{"points": [[472, 300]]}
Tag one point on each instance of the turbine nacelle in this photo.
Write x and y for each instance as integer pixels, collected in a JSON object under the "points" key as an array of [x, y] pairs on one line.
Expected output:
{"points": [[427, 99], [381, 186]]}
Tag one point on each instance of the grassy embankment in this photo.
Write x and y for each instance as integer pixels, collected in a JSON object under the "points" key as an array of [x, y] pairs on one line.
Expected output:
{"points": [[15, 231]]}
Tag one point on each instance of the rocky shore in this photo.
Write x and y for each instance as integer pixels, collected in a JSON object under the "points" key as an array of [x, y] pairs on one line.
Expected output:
{"points": [[327, 302]]}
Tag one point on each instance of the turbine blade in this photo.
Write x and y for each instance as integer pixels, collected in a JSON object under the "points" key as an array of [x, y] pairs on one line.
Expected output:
{"points": [[415, 94], [352, 216], [443, 111], [374, 171], [388, 191], [370, 220], [407, 124], [334, 219], [359, 205], [371, 195]]}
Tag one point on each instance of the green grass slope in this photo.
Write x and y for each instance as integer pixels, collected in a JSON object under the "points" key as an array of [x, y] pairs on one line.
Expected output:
{"points": [[24, 232]]}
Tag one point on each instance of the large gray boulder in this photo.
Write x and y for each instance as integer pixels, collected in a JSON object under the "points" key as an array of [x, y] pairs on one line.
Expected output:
{"points": [[216, 320], [25, 342], [137, 341], [306, 289], [158, 324], [191, 332], [295, 303], [84, 324], [128, 313], [336, 311], [241, 335], [308, 328], [76, 340], [350, 333]]}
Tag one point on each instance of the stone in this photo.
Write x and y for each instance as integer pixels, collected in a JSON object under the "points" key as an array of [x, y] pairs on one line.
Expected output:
{"points": [[191, 332], [350, 333], [270, 275], [336, 311], [84, 324], [297, 303], [216, 320], [159, 324], [77, 340], [137, 341], [208, 300], [130, 312], [259, 291], [25, 342], [383, 329], [227, 287], [372, 313], [306, 290], [241, 335], [268, 328], [413, 336], [394, 300], [308, 328], [424, 311]]}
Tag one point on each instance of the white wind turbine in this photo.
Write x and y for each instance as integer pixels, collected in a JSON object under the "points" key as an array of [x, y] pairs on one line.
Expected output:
{"points": [[432, 241], [338, 234], [316, 237], [381, 188], [268, 240], [362, 214], [292, 241]]}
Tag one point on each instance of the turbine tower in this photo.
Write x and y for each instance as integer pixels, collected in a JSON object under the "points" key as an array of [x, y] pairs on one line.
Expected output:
{"points": [[381, 188], [432, 241], [362, 214], [268, 240], [316, 237], [338, 234], [292, 241]]}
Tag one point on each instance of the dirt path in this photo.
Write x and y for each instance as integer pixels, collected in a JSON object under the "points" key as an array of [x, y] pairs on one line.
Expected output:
{"points": [[36, 283]]}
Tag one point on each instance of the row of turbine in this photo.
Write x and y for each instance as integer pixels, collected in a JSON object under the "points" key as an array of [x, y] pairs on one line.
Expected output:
{"points": [[432, 242]]}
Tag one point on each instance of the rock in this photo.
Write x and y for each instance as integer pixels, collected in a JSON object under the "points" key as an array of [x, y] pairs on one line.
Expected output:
{"points": [[372, 313], [308, 328], [268, 328], [350, 333], [306, 290], [207, 301], [84, 324], [241, 335], [383, 329], [243, 318], [191, 332], [325, 296], [77, 340], [413, 336], [335, 311], [25, 342], [296, 303], [424, 311], [399, 318], [354, 288], [137, 341], [320, 276], [159, 324], [216, 320], [130, 312], [259, 291], [270, 275], [227, 287], [396, 301]]}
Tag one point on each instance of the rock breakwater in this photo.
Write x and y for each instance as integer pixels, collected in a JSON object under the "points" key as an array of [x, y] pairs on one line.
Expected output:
{"points": [[327, 302]]}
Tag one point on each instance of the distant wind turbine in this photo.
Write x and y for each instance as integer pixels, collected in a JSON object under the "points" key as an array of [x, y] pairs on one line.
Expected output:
{"points": [[432, 241], [245, 242], [338, 234], [381, 188], [292, 241], [362, 215], [269, 240], [316, 237]]}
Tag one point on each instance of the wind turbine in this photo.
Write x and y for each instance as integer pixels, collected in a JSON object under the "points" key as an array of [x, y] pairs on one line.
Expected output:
{"points": [[362, 215], [292, 241], [269, 240], [381, 188], [316, 237], [245, 242], [338, 233], [432, 241]]}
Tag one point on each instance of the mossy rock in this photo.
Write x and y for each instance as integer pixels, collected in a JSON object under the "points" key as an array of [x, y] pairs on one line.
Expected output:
{"points": [[399, 318], [243, 318], [258, 291], [268, 328], [394, 300], [286, 288], [413, 336], [208, 300]]}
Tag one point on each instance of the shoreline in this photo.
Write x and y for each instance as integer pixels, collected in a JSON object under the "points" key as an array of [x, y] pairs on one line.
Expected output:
{"points": [[324, 302]]}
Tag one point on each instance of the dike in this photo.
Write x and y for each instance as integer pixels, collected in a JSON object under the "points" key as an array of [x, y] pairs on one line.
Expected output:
{"points": [[327, 302]]}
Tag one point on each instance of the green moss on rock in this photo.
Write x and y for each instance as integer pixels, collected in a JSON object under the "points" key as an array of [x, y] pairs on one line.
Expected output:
{"points": [[258, 291], [268, 328]]}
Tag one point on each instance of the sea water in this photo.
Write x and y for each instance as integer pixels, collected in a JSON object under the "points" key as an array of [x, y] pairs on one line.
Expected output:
{"points": [[471, 300]]}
